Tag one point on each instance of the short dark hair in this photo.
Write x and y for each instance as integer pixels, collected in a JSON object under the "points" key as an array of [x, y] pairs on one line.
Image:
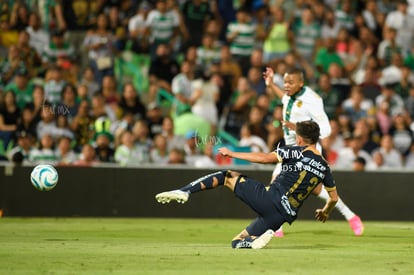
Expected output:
{"points": [[249, 126], [296, 71], [308, 130], [360, 160], [17, 158]]}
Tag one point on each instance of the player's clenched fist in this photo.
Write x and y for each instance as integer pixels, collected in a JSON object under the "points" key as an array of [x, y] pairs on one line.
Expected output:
{"points": [[225, 152]]}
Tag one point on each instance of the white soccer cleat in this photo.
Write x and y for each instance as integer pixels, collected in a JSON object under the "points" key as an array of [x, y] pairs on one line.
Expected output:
{"points": [[263, 239], [175, 195]]}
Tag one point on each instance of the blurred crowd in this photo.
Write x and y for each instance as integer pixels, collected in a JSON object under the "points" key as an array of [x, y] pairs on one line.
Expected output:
{"points": [[62, 102]]}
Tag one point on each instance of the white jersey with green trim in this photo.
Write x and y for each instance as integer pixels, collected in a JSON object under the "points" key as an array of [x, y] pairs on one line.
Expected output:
{"points": [[307, 105]]}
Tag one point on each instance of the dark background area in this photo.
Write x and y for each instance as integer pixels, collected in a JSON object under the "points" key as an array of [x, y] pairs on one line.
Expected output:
{"points": [[129, 192]]}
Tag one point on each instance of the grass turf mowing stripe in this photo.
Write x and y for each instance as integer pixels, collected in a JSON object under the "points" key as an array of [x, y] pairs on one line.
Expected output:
{"points": [[198, 246]]}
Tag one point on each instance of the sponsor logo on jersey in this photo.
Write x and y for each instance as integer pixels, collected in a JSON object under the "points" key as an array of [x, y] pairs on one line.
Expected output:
{"points": [[287, 153], [286, 205]]}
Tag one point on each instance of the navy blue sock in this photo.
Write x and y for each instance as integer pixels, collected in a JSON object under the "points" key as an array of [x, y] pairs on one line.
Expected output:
{"points": [[206, 182], [244, 243]]}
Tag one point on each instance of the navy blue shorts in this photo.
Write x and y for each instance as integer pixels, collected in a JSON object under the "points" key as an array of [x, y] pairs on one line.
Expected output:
{"points": [[261, 200]]}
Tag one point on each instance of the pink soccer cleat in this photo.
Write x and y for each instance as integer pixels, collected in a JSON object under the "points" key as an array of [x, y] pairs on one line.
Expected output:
{"points": [[356, 225], [279, 233]]}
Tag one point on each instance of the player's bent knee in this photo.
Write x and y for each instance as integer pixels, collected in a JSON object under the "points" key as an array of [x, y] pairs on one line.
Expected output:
{"points": [[232, 174], [231, 178]]}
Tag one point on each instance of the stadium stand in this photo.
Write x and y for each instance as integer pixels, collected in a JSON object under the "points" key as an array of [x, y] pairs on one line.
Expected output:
{"points": [[66, 66]]}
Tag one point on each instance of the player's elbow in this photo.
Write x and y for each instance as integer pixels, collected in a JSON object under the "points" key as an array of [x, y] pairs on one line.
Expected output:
{"points": [[328, 131], [325, 133]]}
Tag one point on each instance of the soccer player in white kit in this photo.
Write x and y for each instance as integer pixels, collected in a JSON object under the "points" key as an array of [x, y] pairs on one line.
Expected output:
{"points": [[301, 103]]}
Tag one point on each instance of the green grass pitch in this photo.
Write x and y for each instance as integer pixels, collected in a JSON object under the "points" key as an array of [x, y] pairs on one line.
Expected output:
{"points": [[198, 246]]}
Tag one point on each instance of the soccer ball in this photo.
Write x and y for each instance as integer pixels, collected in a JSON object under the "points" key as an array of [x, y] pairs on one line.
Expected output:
{"points": [[44, 177]]}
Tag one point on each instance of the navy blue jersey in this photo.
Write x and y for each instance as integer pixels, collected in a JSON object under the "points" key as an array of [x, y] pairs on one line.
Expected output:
{"points": [[302, 170]]}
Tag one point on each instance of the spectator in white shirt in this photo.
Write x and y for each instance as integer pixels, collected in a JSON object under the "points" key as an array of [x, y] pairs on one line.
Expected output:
{"points": [[159, 152], [348, 154], [45, 154], [182, 88], [392, 157], [64, 152], [128, 153], [404, 23], [396, 103], [256, 143], [137, 27], [357, 106], [377, 161], [330, 26], [38, 37]]}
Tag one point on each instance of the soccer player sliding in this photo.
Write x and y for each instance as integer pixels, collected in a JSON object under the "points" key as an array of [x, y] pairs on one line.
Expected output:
{"points": [[279, 202]]}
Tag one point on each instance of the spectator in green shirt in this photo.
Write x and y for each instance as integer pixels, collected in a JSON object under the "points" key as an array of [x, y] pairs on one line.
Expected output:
{"points": [[409, 59], [22, 88], [11, 66], [327, 55], [329, 96]]}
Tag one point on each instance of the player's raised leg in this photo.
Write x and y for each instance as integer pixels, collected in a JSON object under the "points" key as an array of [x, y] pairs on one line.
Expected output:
{"points": [[276, 171], [209, 181], [261, 235]]}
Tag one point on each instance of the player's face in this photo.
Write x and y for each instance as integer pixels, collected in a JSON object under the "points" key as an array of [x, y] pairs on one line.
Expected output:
{"points": [[292, 83]]}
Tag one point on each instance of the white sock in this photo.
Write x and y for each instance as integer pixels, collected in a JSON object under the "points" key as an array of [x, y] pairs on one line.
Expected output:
{"points": [[340, 205]]}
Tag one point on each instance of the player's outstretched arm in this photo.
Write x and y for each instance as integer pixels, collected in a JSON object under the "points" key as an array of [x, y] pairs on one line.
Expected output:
{"points": [[268, 77], [323, 214], [256, 157]]}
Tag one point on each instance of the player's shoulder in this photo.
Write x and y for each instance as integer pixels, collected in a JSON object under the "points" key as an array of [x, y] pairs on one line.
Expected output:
{"points": [[311, 94], [311, 99], [316, 155]]}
